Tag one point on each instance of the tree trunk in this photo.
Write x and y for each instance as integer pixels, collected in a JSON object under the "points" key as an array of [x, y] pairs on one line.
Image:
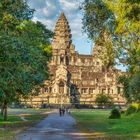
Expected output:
{"points": [[2, 109], [5, 110]]}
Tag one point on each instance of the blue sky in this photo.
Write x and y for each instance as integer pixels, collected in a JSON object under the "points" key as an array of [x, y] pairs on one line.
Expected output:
{"points": [[48, 11]]}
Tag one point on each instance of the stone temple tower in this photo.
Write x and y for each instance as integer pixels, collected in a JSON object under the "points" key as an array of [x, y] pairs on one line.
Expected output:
{"points": [[60, 60], [62, 38]]}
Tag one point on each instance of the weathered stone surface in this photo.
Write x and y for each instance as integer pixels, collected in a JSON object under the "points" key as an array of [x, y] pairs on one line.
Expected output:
{"points": [[76, 77]]}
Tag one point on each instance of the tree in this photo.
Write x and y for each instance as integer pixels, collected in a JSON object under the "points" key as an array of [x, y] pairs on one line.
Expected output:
{"points": [[128, 41], [120, 19], [24, 52], [99, 24], [102, 99], [131, 87], [107, 52], [127, 30]]}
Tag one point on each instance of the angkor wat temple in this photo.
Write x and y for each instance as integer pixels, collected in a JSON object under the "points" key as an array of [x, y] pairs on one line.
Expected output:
{"points": [[76, 78]]}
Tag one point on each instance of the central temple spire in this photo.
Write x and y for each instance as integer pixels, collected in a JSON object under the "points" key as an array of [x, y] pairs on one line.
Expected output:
{"points": [[62, 32]]}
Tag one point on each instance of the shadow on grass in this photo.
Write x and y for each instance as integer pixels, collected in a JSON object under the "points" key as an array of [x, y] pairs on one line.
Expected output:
{"points": [[15, 125], [96, 125]]}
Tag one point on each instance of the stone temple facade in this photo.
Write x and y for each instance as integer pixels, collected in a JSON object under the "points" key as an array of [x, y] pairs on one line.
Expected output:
{"points": [[76, 78]]}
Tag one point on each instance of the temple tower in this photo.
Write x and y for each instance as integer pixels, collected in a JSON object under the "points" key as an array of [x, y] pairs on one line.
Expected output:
{"points": [[60, 59], [62, 41], [62, 38]]}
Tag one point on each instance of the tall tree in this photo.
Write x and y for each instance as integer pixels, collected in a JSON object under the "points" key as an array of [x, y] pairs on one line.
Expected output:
{"points": [[121, 19], [127, 31], [99, 24], [128, 41], [23, 50]]}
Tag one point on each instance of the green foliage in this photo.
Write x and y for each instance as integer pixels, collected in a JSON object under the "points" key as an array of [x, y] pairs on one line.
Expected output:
{"points": [[127, 31], [131, 86], [17, 8], [16, 125], [23, 60], [103, 99], [125, 128], [97, 18], [133, 108], [120, 20], [99, 24], [107, 52], [115, 114]]}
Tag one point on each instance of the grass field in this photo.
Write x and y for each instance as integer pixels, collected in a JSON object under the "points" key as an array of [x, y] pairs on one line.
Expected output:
{"points": [[96, 125], [16, 124]]}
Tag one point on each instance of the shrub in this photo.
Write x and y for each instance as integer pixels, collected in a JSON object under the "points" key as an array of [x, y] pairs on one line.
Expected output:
{"points": [[133, 108], [103, 99], [115, 114]]}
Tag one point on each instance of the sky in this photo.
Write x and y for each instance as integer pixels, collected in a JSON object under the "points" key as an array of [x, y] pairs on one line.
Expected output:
{"points": [[48, 11]]}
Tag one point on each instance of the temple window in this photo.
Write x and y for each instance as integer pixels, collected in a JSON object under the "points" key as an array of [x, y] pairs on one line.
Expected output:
{"points": [[119, 90], [97, 63], [46, 89], [112, 91], [50, 89], [61, 60], [61, 87], [96, 80], [103, 90], [67, 60], [84, 90], [108, 90], [91, 90]]}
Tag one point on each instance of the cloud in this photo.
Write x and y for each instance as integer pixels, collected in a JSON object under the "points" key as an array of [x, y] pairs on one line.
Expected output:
{"points": [[70, 6], [51, 8], [48, 11], [37, 4]]}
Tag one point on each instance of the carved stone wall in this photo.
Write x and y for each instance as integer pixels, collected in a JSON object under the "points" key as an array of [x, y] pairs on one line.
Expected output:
{"points": [[77, 78]]}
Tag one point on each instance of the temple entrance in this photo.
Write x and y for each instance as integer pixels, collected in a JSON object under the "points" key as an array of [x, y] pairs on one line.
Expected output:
{"points": [[61, 93], [61, 87]]}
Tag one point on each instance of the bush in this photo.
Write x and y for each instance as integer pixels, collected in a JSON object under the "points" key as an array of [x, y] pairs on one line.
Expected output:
{"points": [[115, 114], [133, 108], [103, 99]]}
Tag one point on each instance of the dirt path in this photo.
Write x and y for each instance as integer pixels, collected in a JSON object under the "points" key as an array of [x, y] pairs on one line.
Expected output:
{"points": [[53, 127]]}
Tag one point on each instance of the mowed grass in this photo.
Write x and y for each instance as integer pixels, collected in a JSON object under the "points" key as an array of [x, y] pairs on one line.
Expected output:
{"points": [[15, 124], [96, 125]]}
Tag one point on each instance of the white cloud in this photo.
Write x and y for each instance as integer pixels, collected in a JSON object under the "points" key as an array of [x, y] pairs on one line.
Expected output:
{"points": [[51, 8], [48, 11], [37, 4], [70, 6]]}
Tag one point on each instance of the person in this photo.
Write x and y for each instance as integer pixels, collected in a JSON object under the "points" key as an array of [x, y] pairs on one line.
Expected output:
{"points": [[68, 111], [60, 112], [63, 110]]}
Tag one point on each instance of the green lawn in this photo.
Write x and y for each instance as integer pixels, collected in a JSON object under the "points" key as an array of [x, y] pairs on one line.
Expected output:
{"points": [[95, 124], [14, 125]]}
